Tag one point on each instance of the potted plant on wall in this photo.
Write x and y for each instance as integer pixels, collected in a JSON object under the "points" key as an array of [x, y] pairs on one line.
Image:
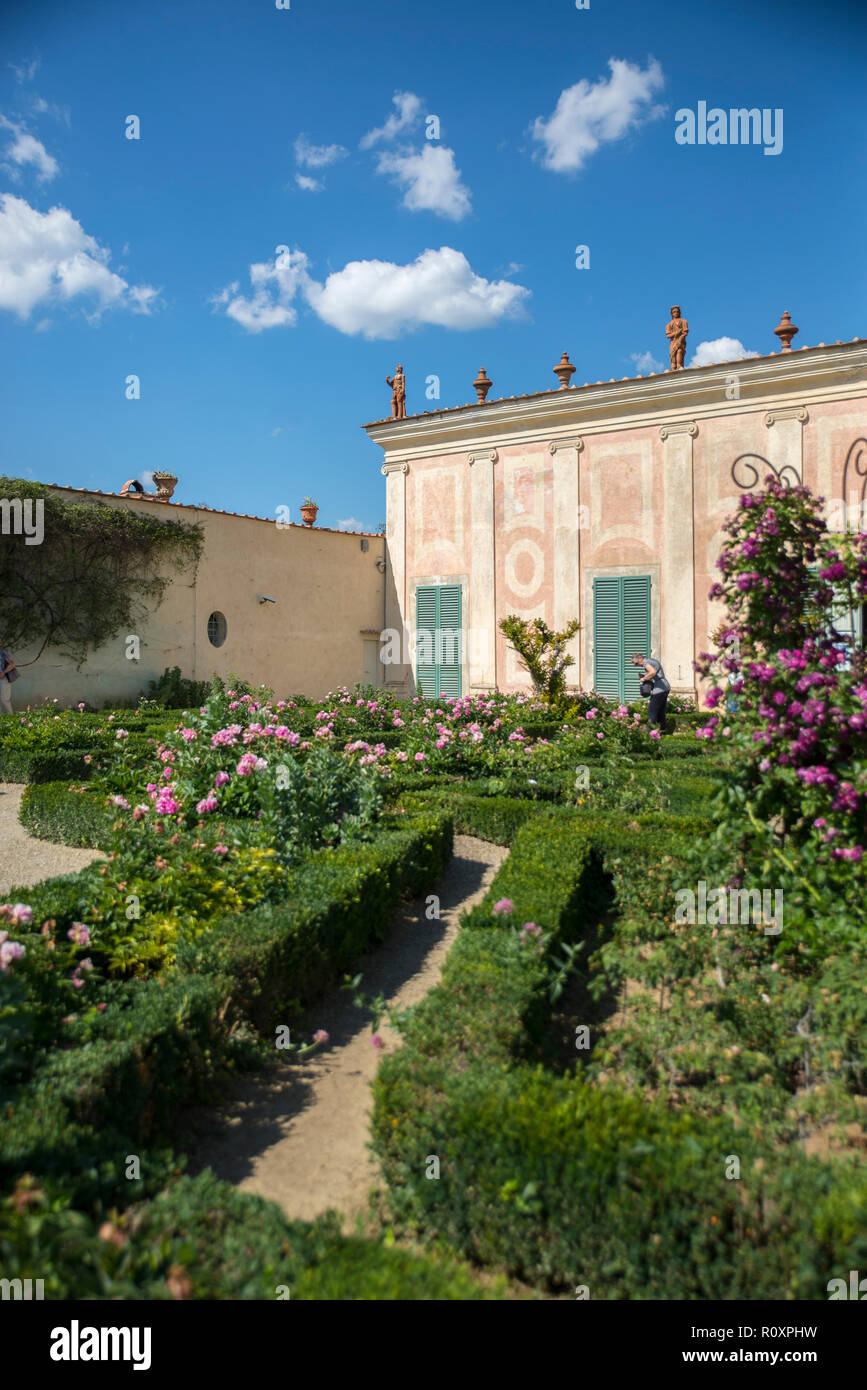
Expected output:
{"points": [[165, 484], [309, 509]]}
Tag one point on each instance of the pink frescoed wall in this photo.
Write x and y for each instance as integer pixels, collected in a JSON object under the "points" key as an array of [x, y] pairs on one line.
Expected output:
{"points": [[523, 510], [525, 524]]}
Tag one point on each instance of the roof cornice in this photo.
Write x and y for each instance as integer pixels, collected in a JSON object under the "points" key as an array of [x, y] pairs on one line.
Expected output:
{"points": [[833, 372]]}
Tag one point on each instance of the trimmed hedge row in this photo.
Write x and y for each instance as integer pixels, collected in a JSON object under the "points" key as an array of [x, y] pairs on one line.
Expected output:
{"points": [[61, 764], [60, 812], [339, 905], [569, 1183], [34, 765], [163, 1043], [495, 818], [203, 1239]]}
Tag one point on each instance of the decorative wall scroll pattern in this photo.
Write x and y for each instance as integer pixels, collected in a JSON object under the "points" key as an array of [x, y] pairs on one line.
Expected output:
{"points": [[856, 459], [787, 475], [394, 468], [490, 454]]}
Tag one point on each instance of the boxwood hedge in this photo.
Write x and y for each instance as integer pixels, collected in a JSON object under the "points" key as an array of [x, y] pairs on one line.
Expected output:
{"points": [[569, 1183]]}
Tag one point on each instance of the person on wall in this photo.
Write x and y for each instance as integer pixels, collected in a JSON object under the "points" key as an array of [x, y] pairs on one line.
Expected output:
{"points": [[8, 673], [655, 686]]}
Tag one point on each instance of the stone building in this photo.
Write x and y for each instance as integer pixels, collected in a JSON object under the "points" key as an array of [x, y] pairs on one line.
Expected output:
{"points": [[603, 502]]}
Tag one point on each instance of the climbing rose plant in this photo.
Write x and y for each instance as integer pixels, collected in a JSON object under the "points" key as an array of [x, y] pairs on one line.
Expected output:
{"points": [[790, 699]]}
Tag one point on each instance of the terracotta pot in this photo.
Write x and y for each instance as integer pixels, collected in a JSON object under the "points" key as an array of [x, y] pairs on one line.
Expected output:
{"points": [[165, 487], [308, 515]]}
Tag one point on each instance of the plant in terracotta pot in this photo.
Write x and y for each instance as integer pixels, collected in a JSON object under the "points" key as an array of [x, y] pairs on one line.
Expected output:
{"points": [[309, 509], [165, 483]]}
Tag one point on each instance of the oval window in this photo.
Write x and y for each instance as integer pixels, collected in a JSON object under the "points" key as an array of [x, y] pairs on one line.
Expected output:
{"points": [[216, 629]]}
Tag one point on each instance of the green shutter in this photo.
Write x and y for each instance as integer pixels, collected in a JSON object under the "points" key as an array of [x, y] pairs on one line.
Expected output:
{"points": [[425, 651], [621, 626], [439, 640], [635, 629], [606, 637], [451, 640]]}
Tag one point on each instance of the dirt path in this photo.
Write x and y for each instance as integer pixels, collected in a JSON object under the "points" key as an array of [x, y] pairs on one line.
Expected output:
{"points": [[24, 860], [299, 1134]]}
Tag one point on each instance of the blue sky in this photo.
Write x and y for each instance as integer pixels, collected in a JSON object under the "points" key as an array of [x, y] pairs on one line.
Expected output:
{"points": [[307, 129]]}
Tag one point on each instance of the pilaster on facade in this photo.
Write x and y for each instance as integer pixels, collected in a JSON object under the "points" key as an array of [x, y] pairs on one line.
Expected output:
{"points": [[786, 441], [677, 637], [482, 637], [679, 427], [395, 581], [567, 539]]}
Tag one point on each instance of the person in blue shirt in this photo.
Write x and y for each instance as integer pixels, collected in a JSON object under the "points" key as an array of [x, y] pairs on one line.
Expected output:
{"points": [[652, 673]]}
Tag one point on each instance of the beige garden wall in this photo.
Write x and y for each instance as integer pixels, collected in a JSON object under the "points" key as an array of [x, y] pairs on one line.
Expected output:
{"points": [[321, 632]]}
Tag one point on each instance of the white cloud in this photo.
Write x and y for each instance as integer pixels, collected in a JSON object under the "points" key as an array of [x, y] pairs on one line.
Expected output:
{"points": [[275, 286], [278, 430], [407, 114], [430, 179], [645, 362], [309, 185], [47, 257], [351, 524], [376, 299], [590, 114], [25, 72], [311, 156], [379, 299], [49, 108], [24, 148], [720, 350]]}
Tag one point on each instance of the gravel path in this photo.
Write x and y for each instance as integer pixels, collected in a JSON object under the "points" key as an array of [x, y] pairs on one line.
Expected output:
{"points": [[25, 860], [299, 1134]]}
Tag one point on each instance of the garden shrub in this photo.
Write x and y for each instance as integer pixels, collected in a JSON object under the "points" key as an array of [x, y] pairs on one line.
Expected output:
{"points": [[339, 905], [161, 1044], [174, 691], [495, 818], [65, 813], [567, 1181], [564, 1183], [203, 1239]]}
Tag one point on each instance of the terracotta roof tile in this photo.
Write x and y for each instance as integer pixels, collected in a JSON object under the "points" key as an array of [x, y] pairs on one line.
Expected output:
{"points": [[218, 511]]}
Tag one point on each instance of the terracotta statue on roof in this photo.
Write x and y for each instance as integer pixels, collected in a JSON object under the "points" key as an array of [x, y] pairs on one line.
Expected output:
{"points": [[398, 394], [676, 332]]}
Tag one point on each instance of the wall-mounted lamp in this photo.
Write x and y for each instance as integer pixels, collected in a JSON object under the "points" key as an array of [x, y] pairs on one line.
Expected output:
{"points": [[263, 598], [381, 566]]}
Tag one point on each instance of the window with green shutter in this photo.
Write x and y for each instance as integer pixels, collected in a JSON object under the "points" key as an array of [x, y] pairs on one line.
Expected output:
{"points": [[621, 626], [439, 640]]}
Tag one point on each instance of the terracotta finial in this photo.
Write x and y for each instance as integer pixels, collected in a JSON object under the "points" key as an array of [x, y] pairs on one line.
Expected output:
{"points": [[482, 386], [785, 331], [676, 332], [563, 371]]}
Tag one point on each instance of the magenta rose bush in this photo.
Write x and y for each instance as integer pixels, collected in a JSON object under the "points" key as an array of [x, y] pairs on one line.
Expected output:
{"points": [[789, 696]]}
